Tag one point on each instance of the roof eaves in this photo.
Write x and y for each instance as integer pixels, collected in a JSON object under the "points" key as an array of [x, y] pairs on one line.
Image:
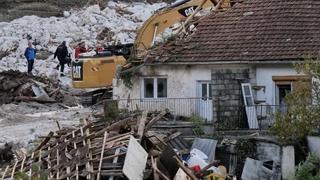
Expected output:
{"points": [[284, 61]]}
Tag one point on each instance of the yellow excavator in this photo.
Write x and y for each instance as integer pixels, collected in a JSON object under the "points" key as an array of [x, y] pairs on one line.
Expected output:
{"points": [[98, 71]]}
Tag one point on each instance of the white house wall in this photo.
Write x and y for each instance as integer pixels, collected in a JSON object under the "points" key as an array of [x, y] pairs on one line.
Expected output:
{"points": [[182, 83], [181, 80], [264, 75]]}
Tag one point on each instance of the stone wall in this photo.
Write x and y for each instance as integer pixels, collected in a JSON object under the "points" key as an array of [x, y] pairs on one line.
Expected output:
{"points": [[228, 110]]}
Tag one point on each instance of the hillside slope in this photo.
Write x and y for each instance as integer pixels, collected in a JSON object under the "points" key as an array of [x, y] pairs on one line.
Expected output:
{"points": [[13, 9]]}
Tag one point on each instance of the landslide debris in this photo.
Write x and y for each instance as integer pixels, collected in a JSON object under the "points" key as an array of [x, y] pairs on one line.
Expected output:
{"points": [[20, 86]]}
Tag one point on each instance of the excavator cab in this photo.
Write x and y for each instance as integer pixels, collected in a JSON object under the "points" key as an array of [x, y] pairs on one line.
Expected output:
{"points": [[98, 71]]}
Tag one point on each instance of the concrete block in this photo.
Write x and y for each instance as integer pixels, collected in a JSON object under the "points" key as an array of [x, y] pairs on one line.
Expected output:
{"points": [[226, 76], [287, 163], [214, 81], [252, 76], [214, 87], [234, 102], [229, 86], [221, 86], [229, 71], [314, 145], [234, 71], [241, 71], [246, 71], [213, 71], [268, 151], [227, 113], [254, 170], [220, 81], [215, 93], [214, 77], [219, 76], [235, 97]]}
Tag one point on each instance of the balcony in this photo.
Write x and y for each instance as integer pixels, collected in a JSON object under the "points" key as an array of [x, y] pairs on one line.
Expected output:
{"points": [[221, 116]]}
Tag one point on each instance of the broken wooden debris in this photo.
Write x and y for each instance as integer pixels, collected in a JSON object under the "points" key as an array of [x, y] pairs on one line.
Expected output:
{"points": [[88, 151], [18, 86], [103, 150]]}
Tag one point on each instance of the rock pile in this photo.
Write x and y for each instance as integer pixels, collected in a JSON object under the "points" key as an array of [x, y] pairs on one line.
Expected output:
{"points": [[117, 21]]}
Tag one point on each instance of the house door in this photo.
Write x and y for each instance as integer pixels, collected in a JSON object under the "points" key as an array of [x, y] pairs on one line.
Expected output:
{"points": [[282, 90], [205, 103], [249, 105]]}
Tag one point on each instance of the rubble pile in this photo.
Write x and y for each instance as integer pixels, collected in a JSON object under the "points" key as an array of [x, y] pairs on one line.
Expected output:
{"points": [[126, 148], [119, 21], [19, 86]]}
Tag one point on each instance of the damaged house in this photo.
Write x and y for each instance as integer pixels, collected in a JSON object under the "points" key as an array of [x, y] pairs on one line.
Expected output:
{"points": [[237, 67]]}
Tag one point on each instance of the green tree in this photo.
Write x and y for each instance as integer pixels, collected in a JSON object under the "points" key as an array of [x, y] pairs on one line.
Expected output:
{"points": [[302, 115]]}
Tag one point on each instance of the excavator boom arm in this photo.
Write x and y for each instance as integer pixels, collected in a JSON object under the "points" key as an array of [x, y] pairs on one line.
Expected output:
{"points": [[167, 17]]}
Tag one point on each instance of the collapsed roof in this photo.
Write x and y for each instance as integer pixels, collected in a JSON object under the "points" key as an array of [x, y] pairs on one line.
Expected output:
{"points": [[251, 31]]}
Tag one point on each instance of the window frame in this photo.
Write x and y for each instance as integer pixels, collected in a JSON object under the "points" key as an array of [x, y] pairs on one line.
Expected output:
{"points": [[286, 80], [155, 87]]}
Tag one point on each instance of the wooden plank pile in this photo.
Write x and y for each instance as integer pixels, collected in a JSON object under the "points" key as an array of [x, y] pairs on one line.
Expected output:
{"points": [[124, 149], [92, 151]]}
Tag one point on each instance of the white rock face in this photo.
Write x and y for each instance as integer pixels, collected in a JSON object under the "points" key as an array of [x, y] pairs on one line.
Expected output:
{"points": [[83, 25]]}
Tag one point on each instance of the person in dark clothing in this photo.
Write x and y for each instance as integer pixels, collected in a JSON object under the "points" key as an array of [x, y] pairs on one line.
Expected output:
{"points": [[61, 53], [30, 54]]}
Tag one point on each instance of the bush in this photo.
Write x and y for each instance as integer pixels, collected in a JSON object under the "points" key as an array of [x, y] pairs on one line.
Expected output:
{"points": [[198, 124], [37, 174], [309, 170], [302, 116]]}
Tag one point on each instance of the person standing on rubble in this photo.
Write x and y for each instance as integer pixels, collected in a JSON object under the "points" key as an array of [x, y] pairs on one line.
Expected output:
{"points": [[62, 54], [30, 54]]}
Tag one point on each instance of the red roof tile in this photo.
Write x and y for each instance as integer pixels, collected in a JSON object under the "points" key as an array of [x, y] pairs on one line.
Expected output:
{"points": [[254, 30]]}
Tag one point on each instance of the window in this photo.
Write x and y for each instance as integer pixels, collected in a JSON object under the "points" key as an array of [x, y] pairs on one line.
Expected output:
{"points": [[148, 88], [283, 91], [206, 91], [247, 94], [154, 88], [162, 87], [284, 85]]}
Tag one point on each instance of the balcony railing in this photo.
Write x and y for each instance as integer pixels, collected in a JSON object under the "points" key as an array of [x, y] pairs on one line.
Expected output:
{"points": [[222, 116]]}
